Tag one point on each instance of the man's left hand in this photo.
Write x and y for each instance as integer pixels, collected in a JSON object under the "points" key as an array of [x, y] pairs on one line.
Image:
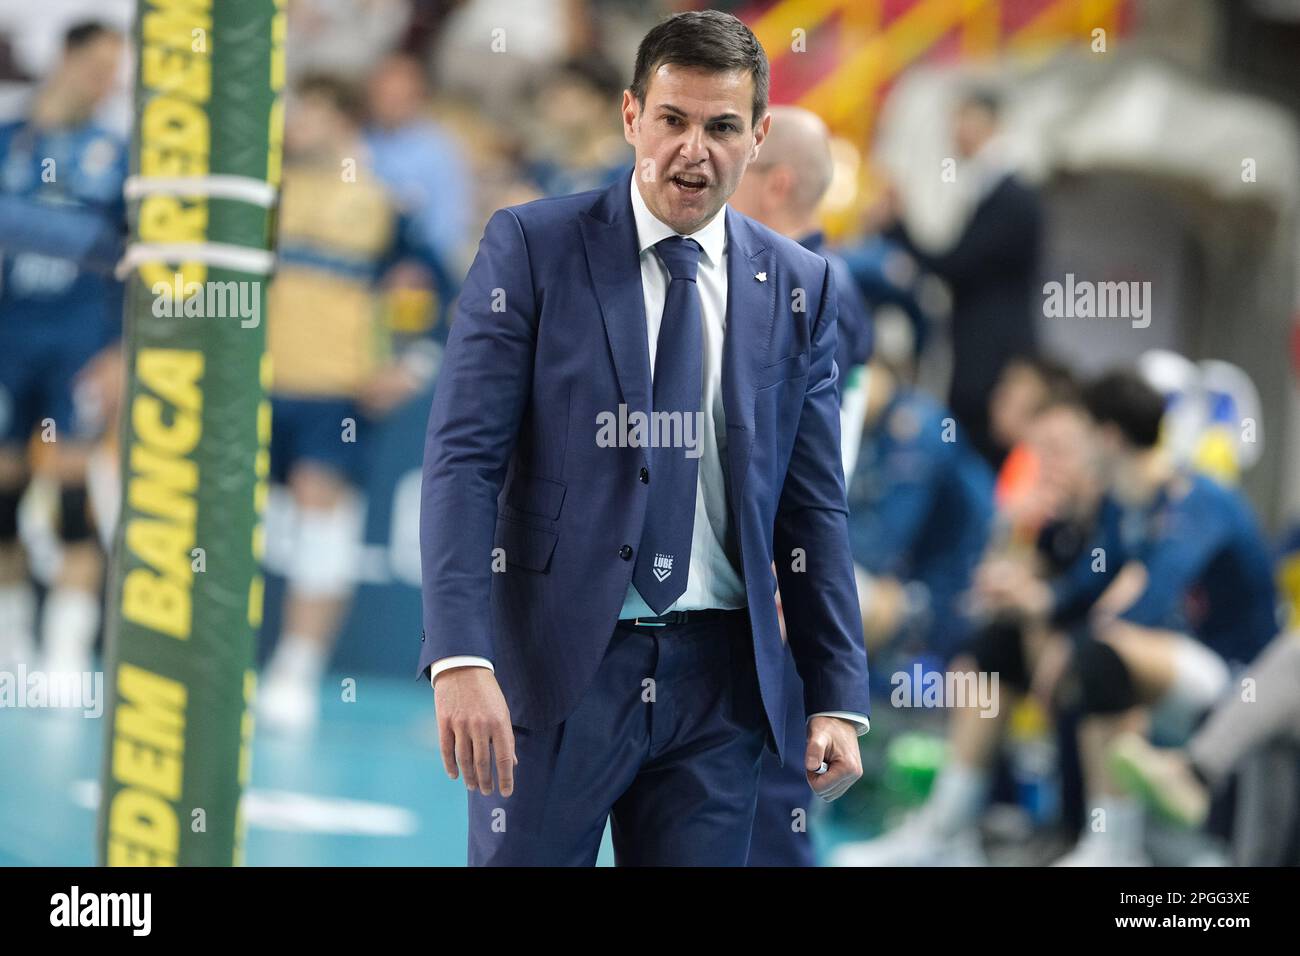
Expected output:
{"points": [[833, 741]]}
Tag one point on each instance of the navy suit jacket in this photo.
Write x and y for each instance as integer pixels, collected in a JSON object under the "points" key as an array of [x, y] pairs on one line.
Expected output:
{"points": [[549, 332]]}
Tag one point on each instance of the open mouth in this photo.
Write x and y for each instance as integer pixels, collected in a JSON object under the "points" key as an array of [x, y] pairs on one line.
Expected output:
{"points": [[689, 184]]}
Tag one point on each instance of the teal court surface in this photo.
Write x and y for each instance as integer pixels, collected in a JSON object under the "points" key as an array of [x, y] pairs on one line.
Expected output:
{"points": [[365, 789]]}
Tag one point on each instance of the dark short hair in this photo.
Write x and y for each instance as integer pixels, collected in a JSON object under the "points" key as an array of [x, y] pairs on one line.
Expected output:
{"points": [[982, 98], [1124, 399], [708, 39], [86, 32], [340, 93], [1057, 379]]}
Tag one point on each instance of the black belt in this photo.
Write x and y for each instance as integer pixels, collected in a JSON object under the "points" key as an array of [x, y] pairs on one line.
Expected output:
{"points": [[681, 617]]}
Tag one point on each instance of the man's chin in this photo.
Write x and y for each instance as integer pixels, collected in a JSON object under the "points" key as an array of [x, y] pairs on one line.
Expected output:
{"points": [[687, 217]]}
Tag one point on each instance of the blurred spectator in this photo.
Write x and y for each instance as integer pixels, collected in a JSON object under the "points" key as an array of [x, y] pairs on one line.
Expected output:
{"points": [[343, 37], [575, 140], [782, 189], [992, 269], [421, 164]]}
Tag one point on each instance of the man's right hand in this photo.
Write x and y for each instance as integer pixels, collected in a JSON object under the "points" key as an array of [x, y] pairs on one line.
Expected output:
{"points": [[473, 724]]}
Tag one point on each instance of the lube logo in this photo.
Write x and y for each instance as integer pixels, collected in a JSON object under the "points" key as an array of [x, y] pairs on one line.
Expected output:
{"points": [[662, 567]]}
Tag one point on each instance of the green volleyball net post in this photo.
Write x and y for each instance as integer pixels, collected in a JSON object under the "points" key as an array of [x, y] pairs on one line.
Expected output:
{"points": [[184, 589]]}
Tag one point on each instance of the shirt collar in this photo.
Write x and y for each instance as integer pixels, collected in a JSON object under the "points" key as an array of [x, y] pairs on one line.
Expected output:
{"points": [[712, 236]]}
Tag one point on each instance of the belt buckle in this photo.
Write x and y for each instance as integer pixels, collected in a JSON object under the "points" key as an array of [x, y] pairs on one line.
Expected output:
{"points": [[637, 622]]}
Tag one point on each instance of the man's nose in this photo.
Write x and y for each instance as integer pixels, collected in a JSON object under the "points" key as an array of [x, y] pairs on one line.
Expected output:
{"points": [[693, 149]]}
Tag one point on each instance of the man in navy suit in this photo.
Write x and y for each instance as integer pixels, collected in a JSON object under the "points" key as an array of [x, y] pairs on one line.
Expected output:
{"points": [[636, 414]]}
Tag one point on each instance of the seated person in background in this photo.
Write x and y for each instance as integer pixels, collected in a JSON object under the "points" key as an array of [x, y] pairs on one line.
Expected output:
{"points": [[1176, 588], [944, 830], [1025, 386], [920, 512]]}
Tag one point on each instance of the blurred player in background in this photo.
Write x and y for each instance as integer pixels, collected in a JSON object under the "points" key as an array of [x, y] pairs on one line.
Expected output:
{"points": [[333, 362], [782, 189], [1067, 486], [60, 322], [1137, 635], [1199, 600]]}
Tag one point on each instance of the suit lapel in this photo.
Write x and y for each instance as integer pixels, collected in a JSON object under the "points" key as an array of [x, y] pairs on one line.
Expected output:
{"points": [[609, 234], [750, 314]]}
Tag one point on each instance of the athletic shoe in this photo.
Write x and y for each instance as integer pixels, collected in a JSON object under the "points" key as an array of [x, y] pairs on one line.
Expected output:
{"points": [[287, 705], [917, 842], [1099, 849], [1160, 778]]}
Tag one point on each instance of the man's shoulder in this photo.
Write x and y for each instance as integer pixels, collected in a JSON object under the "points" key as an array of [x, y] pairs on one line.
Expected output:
{"points": [[553, 210]]}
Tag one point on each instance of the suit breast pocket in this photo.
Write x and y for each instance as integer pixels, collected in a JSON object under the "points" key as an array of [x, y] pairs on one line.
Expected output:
{"points": [[788, 369]]}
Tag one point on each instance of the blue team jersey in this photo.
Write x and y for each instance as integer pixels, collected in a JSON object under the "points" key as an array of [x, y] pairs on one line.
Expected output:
{"points": [[80, 168], [1208, 568], [921, 508]]}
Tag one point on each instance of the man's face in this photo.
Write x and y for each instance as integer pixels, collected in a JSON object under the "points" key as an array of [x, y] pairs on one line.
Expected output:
{"points": [[1062, 439], [395, 93], [972, 127], [312, 126], [91, 71], [693, 140], [1016, 398]]}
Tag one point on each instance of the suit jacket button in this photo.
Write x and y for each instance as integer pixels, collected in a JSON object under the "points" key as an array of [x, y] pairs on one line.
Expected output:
{"points": [[645, 476], [625, 552]]}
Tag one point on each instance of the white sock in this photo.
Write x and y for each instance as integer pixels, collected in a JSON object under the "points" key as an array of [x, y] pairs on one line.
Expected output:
{"points": [[298, 658], [958, 797], [1200, 677], [17, 625], [1124, 821], [69, 623]]}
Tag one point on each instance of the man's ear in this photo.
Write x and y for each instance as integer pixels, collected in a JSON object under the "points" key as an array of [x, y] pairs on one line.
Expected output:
{"points": [[631, 111], [760, 134]]}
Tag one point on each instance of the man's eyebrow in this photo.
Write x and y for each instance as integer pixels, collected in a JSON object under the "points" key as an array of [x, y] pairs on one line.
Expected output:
{"points": [[669, 108]]}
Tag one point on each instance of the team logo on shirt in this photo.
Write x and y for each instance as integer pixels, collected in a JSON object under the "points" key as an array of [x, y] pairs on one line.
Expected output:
{"points": [[662, 567]]}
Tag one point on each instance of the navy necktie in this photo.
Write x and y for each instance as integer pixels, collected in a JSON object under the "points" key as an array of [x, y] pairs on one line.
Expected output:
{"points": [[664, 559]]}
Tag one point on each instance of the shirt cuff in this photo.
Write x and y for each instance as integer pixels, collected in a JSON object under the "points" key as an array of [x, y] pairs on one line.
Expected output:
{"points": [[862, 720], [461, 660]]}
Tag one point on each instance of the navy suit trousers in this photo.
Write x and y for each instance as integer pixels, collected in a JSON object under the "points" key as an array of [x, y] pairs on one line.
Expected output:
{"points": [[667, 741]]}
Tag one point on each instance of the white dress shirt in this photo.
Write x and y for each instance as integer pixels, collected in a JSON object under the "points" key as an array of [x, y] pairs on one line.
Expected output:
{"points": [[713, 580]]}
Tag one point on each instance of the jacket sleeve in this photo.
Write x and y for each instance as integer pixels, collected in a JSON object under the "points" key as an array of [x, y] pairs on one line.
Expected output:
{"points": [[820, 602], [478, 404]]}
